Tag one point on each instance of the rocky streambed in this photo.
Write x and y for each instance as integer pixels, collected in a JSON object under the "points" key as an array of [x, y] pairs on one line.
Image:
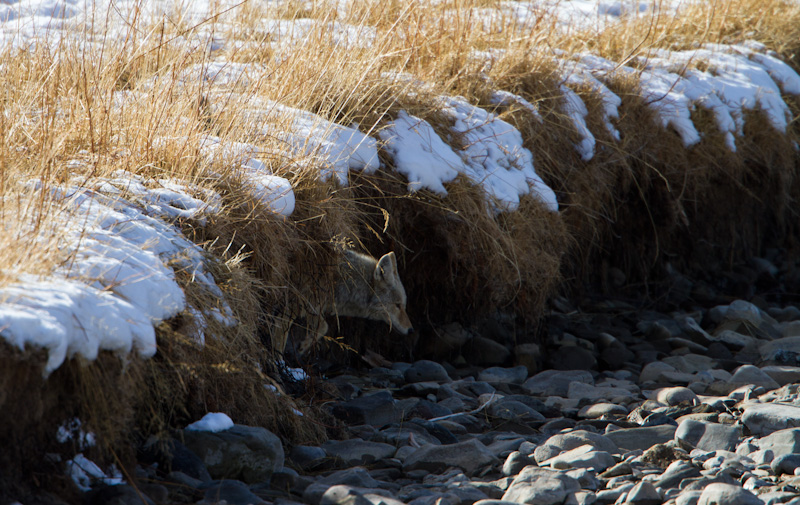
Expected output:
{"points": [[699, 407]]}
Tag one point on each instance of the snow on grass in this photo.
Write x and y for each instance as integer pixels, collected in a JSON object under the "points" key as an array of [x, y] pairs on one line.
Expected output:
{"points": [[339, 148], [494, 157], [118, 282], [577, 112], [420, 154], [213, 422]]}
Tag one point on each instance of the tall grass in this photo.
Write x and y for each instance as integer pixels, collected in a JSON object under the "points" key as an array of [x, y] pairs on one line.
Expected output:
{"points": [[100, 100]]}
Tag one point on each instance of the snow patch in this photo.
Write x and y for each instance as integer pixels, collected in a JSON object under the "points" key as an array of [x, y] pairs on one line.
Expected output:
{"points": [[213, 422]]}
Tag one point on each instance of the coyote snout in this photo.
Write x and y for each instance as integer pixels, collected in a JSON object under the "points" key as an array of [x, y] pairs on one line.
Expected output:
{"points": [[366, 287]]}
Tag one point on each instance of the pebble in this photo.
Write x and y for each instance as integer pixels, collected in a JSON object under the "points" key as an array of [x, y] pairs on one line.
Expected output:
{"points": [[659, 423]]}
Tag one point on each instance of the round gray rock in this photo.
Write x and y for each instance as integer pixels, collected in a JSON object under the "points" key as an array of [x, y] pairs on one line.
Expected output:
{"points": [[540, 486], [247, 453], [727, 494]]}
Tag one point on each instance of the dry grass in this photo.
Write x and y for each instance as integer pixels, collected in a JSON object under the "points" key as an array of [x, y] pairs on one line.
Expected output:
{"points": [[136, 102]]}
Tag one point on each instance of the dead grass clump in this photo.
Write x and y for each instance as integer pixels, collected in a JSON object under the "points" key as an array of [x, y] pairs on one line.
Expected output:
{"points": [[458, 261]]}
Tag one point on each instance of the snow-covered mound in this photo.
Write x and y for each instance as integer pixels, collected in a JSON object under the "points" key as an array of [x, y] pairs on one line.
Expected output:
{"points": [[118, 280]]}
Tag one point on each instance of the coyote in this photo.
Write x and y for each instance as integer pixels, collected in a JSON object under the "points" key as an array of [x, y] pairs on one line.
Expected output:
{"points": [[366, 287]]}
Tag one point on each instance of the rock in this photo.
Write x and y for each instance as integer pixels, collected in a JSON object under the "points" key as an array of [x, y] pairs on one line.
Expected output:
{"points": [[121, 494], [246, 453], [557, 444], [652, 372], [692, 434], [688, 498], [783, 374], [783, 351], [470, 456], [631, 439], [354, 477], [540, 486], [691, 363], [486, 352], [529, 356], [582, 391], [570, 357], [602, 410], [749, 374], [556, 382], [232, 492], [425, 371], [515, 375], [515, 462], [584, 456], [307, 457], [643, 493], [676, 396], [495, 502], [511, 410], [727, 494], [355, 451], [172, 455], [377, 409], [781, 442], [785, 464], [765, 418], [675, 473], [345, 495]]}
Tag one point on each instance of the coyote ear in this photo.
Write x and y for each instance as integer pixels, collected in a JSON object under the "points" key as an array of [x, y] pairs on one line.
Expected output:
{"points": [[386, 269]]}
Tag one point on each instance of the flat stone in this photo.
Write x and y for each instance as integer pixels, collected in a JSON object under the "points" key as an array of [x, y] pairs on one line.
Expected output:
{"points": [[783, 374], [631, 439], [688, 498], [584, 456], [540, 486], [562, 442], [602, 410], [783, 351], [781, 442], [512, 410], [580, 390], [556, 382], [355, 451], [691, 363], [706, 436], [515, 375], [765, 418], [470, 456], [727, 494]]}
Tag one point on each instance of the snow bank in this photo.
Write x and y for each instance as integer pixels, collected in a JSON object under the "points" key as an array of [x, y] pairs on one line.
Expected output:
{"points": [[493, 156], [117, 283]]}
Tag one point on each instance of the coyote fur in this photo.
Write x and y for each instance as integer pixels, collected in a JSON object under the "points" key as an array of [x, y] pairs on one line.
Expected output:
{"points": [[365, 287]]}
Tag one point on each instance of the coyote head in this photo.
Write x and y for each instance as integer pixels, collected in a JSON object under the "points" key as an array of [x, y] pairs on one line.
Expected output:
{"points": [[390, 295]]}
